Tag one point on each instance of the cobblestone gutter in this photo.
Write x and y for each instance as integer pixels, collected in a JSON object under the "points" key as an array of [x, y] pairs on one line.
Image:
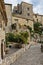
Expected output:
{"points": [[10, 59]]}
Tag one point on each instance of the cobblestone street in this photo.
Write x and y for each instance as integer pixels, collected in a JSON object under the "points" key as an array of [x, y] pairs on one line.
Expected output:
{"points": [[32, 56]]}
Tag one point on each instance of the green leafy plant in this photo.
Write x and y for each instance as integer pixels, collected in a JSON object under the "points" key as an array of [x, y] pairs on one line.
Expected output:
{"points": [[37, 27], [29, 28], [25, 34], [19, 38]]}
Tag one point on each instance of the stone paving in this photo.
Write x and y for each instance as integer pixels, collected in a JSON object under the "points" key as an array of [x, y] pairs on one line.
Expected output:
{"points": [[11, 51], [32, 56]]}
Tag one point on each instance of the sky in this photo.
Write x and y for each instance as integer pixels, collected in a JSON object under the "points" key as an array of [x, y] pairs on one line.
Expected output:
{"points": [[37, 4]]}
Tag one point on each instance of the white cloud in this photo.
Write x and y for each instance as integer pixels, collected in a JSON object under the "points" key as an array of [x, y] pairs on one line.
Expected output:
{"points": [[14, 2], [39, 5], [38, 8], [28, 1]]}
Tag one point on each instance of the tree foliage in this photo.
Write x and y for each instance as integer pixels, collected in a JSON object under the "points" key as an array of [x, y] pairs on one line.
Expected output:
{"points": [[37, 27], [19, 38]]}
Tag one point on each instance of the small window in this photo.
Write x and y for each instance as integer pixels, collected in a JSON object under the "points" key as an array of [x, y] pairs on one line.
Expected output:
{"points": [[20, 12], [36, 16], [27, 8], [16, 11], [37, 20], [27, 20], [16, 19], [28, 14], [13, 26]]}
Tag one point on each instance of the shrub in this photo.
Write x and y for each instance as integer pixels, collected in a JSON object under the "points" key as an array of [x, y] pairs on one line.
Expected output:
{"points": [[19, 38], [37, 28], [29, 28], [22, 39], [10, 37], [25, 34]]}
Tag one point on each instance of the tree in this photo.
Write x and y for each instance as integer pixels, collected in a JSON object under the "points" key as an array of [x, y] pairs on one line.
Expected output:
{"points": [[37, 27]]}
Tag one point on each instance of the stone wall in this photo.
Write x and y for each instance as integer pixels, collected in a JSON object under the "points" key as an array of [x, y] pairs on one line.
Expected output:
{"points": [[2, 37], [27, 10], [13, 57], [38, 18], [9, 16], [3, 21], [22, 21], [42, 20], [24, 10]]}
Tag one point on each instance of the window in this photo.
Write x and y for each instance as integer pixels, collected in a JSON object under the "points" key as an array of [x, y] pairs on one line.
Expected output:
{"points": [[20, 12], [16, 19], [36, 16], [27, 8], [13, 26], [28, 14], [27, 20], [16, 11], [37, 20]]}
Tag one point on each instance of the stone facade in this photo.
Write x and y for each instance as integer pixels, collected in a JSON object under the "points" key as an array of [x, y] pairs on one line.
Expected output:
{"points": [[38, 18], [3, 23], [23, 15], [20, 24], [22, 21], [8, 8], [24, 10]]}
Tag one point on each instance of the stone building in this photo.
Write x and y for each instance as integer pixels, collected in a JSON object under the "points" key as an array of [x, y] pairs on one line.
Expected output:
{"points": [[24, 10], [20, 23], [3, 23], [38, 18], [8, 8], [24, 13]]}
